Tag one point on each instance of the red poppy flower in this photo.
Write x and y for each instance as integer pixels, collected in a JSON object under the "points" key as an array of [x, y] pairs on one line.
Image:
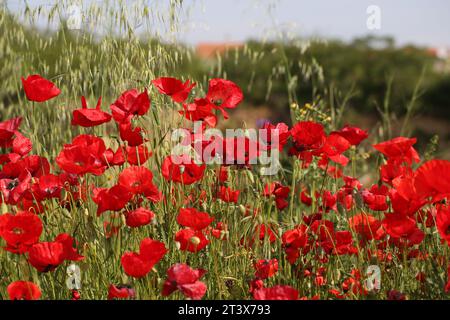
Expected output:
{"points": [[223, 174], [341, 244], [200, 110], [191, 240], [432, 179], [261, 232], [182, 277], [114, 198], [139, 217], [14, 182], [279, 131], [376, 197], [353, 284], [280, 192], [403, 196], [255, 284], [130, 103], [227, 194], [241, 151], [174, 88], [354, 135], [20, 231], [137, 265], [307, 135], [39, 89], [396, 295], [334, 147], [266, 268], [305, 198], [138, 181], [133, 136], [194, 219], [278, 292], [138, 155], [46, 256], [23, 290], [7, 130], [21, 144], [70, 252], [120, 292], [309, 219], [90, 117], [443, 222], [37, 166], [392, 170], [115, 158], [86, 154], [324, 229], [367, 226], [47, 187], [399, 149], [220, 231], [224, 94], [181, 169], [402, 229]]}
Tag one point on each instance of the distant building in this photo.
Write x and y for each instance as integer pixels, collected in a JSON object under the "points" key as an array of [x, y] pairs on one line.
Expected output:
{"points": [[440, 52], [210, 50], [443, 54]]}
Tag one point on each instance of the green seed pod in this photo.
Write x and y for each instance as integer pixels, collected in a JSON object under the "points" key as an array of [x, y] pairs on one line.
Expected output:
{"points": [[250, 176], [4, 208], [358, 198]]}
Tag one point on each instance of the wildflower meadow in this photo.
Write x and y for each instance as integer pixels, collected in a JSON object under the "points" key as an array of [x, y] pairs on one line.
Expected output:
{"points": [[119, 180]]}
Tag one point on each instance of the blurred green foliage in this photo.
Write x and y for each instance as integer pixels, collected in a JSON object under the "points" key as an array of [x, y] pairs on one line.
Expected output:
{"points": [[365, 66], [315, 69]]}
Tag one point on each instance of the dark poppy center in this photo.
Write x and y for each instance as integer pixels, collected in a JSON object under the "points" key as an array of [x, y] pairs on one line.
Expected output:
{"points": [[17, 231], [12, 184]]}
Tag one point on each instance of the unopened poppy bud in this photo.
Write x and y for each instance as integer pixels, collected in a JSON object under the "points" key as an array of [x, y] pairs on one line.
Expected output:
{"points": [[260, 219], [242, 209], [340, 208], [4, 208], [358, 198], [195, 241], [250, 176], [86, 212], [177, 245]]}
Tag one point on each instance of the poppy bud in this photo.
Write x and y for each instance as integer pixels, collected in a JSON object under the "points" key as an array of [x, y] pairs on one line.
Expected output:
{"points": [[250, 176], [260, 219], [4, 208], [195, 240], [242, 209], [358, 198], [340, 208]]}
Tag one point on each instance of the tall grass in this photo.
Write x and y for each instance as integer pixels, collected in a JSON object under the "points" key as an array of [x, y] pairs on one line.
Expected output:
{"points": [[119, 57]]}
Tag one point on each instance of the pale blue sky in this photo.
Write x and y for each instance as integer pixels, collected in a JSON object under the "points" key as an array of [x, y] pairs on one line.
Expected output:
{"points": [[423, 22], [419, 21]]}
